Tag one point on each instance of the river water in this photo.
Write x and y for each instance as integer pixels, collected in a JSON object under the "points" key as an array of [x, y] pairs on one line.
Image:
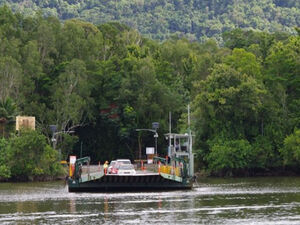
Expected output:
{"points": [[239, 201]]}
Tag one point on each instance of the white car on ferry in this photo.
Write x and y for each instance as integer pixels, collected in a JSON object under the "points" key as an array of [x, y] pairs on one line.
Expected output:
{"points": [[126, 169]]}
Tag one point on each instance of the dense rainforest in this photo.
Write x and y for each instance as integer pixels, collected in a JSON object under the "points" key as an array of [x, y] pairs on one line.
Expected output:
{"points": [[98, 83], [160, 19]]}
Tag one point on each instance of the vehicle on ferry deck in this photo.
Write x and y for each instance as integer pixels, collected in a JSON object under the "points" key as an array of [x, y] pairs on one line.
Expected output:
{"points": [[123, 161], [114, 170], [112, 167], [126, 169]]}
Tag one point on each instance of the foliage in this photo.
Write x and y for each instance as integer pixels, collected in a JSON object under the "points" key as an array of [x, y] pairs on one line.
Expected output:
{"points": [[228, 102], [66, 145], [103, 82], [265, 155], [194, 19], [71, 96], [10, 77], [235, 106], [229, 156], [244, 62], [282, 78], [8, 112], [4, 167], [291, 149], [29, 155]]}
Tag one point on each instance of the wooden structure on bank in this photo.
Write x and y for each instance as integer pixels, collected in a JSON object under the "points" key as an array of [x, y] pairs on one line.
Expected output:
{"points": [[27, 122]]}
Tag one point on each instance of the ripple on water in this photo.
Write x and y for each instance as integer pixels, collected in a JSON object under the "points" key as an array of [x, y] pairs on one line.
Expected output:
{"points": [[208, 203]]}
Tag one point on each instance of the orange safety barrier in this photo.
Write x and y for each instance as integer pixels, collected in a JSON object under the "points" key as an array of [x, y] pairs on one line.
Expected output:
{"points": [[72, 170], [158, 166], [72, 165]]}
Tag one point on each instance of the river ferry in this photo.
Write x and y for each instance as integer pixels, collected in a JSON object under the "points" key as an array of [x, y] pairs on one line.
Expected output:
{"points": [[172, 172]]}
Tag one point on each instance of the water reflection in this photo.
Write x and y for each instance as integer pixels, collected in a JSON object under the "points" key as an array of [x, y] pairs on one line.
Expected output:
{"points": [[159, 203], [106, 216], [214, 201], [72, 205]]}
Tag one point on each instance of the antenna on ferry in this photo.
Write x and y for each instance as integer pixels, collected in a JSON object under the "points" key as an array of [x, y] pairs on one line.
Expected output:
{"points": [[189, 119], [191, 156], [170, 125], [170, 122]]}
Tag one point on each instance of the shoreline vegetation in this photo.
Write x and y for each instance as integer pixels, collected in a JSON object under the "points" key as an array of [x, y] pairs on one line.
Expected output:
{"points": [[27, 157], [99, 83]]}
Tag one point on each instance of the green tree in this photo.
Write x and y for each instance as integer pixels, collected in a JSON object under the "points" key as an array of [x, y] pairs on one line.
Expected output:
{"points": [[29, 156], [144, 96], [291, 149], [71, 99], [228, 105], [244, 62], [10, 78], [67, 145], [46, 44], [228, 102], [8, 112], [229, 157], [33, 73], [4, 168], [282, 78]]}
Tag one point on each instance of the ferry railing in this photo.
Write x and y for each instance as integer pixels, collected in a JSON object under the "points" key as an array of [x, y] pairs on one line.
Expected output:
{"points": [[174, 166], [78, 166]]}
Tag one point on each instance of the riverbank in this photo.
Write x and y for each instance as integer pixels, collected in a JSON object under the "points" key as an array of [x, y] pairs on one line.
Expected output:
{"points": [[254, 173], [38, 178], [33, 178]]}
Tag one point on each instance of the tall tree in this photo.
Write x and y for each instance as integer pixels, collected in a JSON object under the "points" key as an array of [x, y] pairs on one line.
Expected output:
{"points": [[71, 101], [10, 78], [283, 80]]}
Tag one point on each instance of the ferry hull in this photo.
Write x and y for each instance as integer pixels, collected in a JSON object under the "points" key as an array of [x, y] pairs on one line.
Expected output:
{"points": [[127, 183]]}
